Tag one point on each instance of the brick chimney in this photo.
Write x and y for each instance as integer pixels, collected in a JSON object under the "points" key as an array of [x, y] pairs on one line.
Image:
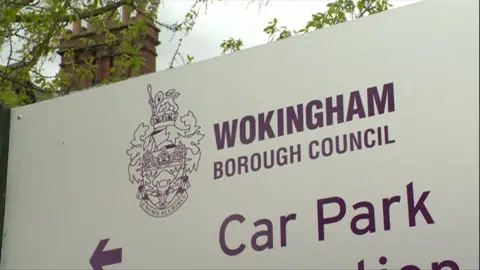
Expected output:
{"points": [[104, 54]]}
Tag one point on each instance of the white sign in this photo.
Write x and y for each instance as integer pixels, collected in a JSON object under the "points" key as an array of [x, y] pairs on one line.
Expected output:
{"points": [[354, 147]]}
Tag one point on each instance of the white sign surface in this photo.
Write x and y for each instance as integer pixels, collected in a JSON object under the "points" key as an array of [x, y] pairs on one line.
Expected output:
{"points": [[354, 147]]}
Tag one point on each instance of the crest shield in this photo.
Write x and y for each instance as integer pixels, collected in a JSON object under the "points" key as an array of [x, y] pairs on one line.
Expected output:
{"points": [[161, 161]]}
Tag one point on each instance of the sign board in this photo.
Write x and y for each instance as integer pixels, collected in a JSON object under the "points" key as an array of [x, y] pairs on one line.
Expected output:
{"points": [[354, 147]]}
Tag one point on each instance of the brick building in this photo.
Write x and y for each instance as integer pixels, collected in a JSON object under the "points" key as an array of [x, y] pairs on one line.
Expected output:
{"points": [[104, 55]]}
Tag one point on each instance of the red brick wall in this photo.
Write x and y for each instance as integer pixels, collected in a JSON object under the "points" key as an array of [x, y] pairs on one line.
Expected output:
{"points": [[104, 56]]}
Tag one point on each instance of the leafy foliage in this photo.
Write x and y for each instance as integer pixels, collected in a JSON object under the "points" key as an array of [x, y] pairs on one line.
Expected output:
{"points": [[231, 45], [32, 31], [337, 12]]}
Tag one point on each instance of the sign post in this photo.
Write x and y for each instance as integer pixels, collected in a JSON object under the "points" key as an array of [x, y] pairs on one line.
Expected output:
{"points": [[4, 144]]}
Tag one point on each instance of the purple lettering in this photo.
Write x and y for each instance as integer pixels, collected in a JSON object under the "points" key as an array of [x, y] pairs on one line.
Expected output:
{"points": [[387, 136], [256, 242], [242, 165], [269, 160], [256, 162], [295, 118], [327, 147], [387, 202], [442, 265], [415, 207], [282, 157], [332, 109], [283, 228], [217, 170], [355, 107], [361, 265], [223, 243], [322, 220], [410, 267], [312, 154], [367, 140], [314, 120], [230, 167], [280, 123], [379, 135], [295, 154], [341, 148], [268, 233], [355, 141], [247, 129], [385, 102], [225, 136], [264, 126], [369, 216]]}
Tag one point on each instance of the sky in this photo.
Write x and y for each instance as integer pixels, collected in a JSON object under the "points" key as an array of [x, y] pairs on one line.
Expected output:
{"points": [[237, 19], [233, 18]]}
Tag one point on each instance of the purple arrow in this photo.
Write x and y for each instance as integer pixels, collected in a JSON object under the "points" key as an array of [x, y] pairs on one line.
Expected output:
{"points": [[102, 257]]}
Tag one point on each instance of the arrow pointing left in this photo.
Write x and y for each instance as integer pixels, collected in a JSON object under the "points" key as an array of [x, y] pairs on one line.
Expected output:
{"points": [[102, 257]]}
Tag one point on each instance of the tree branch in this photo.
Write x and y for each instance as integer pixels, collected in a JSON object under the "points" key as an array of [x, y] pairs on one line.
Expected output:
{"points": [[14, 80], [365, 9], [80, 14], [172, 61]]}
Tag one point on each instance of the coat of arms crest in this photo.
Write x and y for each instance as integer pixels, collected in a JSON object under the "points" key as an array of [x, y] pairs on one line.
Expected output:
{"points": [[163, 155]]}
